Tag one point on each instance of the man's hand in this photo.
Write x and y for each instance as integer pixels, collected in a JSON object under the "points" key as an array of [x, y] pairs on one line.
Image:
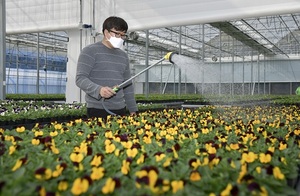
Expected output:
{"points": [[107, 92]]}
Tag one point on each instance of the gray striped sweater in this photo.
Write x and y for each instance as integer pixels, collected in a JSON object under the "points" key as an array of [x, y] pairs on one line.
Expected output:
{"points": [[101, 66]]}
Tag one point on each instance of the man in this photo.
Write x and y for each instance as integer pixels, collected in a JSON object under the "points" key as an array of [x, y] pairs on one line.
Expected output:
{"points": [[102, 66]]}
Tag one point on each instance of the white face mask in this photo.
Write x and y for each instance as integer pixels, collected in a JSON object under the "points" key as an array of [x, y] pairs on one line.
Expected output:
{"points": [[116, 42]]}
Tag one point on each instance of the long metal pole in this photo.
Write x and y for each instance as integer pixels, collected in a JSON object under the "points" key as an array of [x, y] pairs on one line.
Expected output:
{"points": [[2, 50], [243, 76], [38, 65], [220, 57], [17, 63], [179, 69], [147, 64], [80, 42], [258, 74], [264, 74], [45, 70], [147, 68], [232, 68], [203, 56]]}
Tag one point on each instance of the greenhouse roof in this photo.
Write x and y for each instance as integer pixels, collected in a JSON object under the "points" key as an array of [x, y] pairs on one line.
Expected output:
{"points": [[201, 29]]}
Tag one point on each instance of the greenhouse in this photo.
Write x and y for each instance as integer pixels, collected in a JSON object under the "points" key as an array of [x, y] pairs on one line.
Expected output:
{"points": [[215, 88], [257, 53]]}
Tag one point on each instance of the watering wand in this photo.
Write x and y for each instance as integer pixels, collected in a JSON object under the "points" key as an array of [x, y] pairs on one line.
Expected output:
{"points": [[168, 56]]}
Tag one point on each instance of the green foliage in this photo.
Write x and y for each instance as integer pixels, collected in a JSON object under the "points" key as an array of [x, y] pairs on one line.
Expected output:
{"points": [[36, 97], [19, 107], [298, 91]]}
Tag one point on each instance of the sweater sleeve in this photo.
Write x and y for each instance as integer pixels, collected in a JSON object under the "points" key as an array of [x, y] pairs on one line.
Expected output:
{"points": [[85, 64]]}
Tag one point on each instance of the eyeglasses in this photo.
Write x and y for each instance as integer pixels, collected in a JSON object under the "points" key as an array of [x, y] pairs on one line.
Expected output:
{"points": [[119, 35]]}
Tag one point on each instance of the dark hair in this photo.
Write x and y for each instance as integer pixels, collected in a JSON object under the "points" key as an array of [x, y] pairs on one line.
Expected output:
{"points": [[115, 22]]}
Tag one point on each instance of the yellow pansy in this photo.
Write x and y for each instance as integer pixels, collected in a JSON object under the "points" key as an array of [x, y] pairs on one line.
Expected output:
{"points": [[177, 185], [80, 186], [132, 152], [282, 146], [57, 172], [38, 133], [108, 134], [277, 173], [205, 130], [35, 141], [97, 173], [249, 157], [12, 149], [110, 148], [195, 176], [125, 167], [17, 165], [271, 149], [109, 186], [258, 169], [167, 162], [265, 158], [159, 157], [141, 159], [127, 144], [58, 126], [76, 157], [234, 146], [196, 164], [53, 133], [54, 150], [43, 174], [62, 185], [20, 129], [96, 161], [227, 190]]}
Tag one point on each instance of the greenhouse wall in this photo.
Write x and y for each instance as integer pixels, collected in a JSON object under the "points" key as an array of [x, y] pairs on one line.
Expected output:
{"points": [[24, 81], [248, 77], [264, 77]]}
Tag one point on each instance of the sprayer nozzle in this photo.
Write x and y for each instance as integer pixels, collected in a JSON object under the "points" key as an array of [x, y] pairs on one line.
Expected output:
{"points": [[169, 55]]}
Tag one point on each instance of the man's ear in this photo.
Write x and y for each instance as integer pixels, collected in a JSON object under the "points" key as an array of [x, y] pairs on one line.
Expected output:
{"points": [[105, 32]]}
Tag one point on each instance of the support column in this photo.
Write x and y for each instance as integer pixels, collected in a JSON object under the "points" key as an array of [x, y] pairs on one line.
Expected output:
{"points": [[73, 93], [2, 50], [147, 90], [78, 39]]}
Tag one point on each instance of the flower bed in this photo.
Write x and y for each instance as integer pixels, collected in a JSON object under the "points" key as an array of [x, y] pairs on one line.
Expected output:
{"points": [[207, 151], [14, 113]]}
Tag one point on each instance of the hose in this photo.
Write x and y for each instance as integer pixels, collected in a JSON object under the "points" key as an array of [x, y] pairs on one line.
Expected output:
{"points": [[105, 108]]}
